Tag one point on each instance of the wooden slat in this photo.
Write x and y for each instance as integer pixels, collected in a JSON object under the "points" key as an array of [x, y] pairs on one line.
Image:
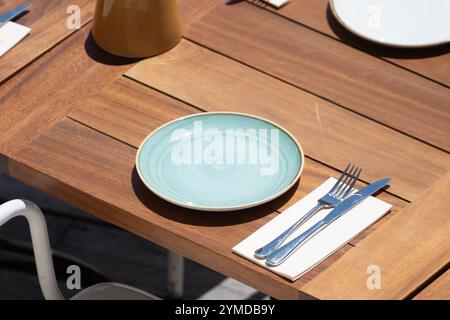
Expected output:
{"points": [[44, 92], [192, 10], [129, 111], [328, 68], [47, 19], [329, 134], [439, 289], [433, 62], [409, 250], [96, 173]]}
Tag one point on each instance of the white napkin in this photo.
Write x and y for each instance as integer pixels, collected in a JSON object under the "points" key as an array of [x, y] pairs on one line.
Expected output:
{"points": [[322, 245], [11, 34], [277, 3]]}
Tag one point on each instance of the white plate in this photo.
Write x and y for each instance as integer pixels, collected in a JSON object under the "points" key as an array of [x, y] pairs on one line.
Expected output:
{"points": [[399, 23]]}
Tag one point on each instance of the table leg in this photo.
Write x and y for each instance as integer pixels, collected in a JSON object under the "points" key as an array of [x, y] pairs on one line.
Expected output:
{"points": [[175, 275]]}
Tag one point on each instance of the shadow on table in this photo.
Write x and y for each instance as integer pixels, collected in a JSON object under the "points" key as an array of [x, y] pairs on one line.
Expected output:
{"points": [[101, 56], [200, 218], [380, 50]]}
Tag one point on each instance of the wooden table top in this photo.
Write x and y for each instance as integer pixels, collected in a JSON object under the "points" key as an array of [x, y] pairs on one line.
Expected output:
{"points": [[72, 117]]}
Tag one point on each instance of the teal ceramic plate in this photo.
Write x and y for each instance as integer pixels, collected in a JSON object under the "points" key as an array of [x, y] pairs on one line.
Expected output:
{"points": [[219, 161]]}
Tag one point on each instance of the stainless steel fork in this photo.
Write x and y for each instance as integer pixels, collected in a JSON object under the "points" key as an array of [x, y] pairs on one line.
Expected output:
{"points": [[341, 189]]}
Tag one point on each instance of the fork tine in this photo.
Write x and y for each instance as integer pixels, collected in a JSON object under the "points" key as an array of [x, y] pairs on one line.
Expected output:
{"points": [[345, 181], [352, 184], [340, 179]]}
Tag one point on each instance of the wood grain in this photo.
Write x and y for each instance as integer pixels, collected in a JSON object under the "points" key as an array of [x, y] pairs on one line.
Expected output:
{"points": [[328, 134], [192, 10], [44, 92], [328, 68], [47, 19], [129, 111], [96, 173], [409, 249], [439, 289], [433, 62]]}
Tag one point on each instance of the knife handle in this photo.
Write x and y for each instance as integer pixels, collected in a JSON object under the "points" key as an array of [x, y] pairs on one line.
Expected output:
{"points": [[280, 255], [266, 250]]}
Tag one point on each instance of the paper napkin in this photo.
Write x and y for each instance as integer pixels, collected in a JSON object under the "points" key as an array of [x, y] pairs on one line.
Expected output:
{"points": [[277, 3], [325, 243], [11, 34]]}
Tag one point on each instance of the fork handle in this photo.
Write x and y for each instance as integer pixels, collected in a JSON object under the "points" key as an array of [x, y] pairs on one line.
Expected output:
{"points": [[280, 255], [275, 243]]}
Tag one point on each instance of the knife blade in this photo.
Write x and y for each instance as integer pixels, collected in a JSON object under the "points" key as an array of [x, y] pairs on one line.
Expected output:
{"points": [[280, 255], [354, 199], [13, 13]]}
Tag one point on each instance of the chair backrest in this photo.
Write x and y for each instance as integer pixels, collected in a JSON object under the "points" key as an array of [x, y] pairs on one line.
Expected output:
{"points": [[40, 241]]}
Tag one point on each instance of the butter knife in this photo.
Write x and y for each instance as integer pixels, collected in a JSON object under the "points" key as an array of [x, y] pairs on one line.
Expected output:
{"points": [[280, 255], [13, 13]]}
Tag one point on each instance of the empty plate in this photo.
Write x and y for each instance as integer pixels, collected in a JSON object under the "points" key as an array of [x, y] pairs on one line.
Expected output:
{"points": [[219, 161], [399, 23]]}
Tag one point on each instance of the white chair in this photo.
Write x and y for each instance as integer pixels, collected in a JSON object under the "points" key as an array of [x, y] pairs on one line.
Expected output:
{"points": [[44, 262]]}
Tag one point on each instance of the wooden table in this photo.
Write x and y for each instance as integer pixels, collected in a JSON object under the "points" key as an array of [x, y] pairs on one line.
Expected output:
{"points": [[71, 122]]}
